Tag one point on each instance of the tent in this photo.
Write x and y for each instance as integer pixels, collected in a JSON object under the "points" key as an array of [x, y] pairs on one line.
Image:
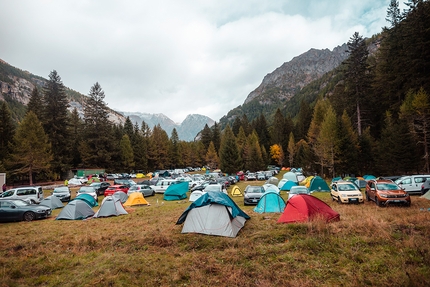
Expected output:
{"points": [[52, 202], [87, 198], [282, 182], [291, 176], [214, 213], [176, 191], [307, 181], [235, 191], [271, 201], [303, 207], [93, 179], [273, 180], [336, 179], [318, 184], [270, 187], [110, 207], [287, 185], [75, 210], [369, 177], [136, 198], [121, 195], [426, 195]]}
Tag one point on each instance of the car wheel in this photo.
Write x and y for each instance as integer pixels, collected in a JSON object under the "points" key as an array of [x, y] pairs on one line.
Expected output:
{"points": [[367, 197], [339, 200], [153, 193], [378, 203], [29, 216]]}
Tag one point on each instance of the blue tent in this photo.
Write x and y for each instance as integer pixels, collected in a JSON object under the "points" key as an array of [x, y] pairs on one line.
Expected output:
{"points": [[288, 185], [336, 179], [210, 198], [270, 202], [176, 191], [369, 177], [87, 198]]}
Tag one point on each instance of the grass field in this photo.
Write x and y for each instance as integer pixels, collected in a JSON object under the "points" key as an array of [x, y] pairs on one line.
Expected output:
{"points": [[369, 246]]}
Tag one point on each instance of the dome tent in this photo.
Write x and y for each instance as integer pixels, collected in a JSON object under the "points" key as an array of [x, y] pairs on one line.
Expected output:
{"points": [[110, 207], [75, 210]]}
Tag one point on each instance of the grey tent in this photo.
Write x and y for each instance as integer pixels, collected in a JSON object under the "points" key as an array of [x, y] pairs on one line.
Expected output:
{"points": [[122, 196], [76, 210], [214, 213], [53, 202], [272, 180], [110, 207]]}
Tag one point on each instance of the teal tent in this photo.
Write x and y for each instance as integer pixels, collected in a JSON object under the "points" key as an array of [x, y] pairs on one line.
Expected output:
{"points": [[176, 191], [318, 184], [291, 176], [369, 177], [287, 185], [270, 202], [336, 179], [87, 198]]}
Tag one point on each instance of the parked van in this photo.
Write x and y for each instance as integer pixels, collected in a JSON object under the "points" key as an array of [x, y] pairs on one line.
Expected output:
{"points": [[412, 183], [162, 185], [31, 194]]}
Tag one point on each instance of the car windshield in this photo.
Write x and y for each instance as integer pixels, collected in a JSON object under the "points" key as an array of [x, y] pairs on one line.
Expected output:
{"points": [[7, 193], [298, 189], [347, 187], [86, 189], [20, 203], [95, 184], [255, 189], [61, 189], [387, 186], [213, 188]]}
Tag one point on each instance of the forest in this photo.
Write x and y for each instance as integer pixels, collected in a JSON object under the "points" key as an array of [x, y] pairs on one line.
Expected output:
{"points": [[370, 115]]}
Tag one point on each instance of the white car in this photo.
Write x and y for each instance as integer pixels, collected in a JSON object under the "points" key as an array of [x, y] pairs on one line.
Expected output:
{"points": [[209, 188], [87, 190], [299, 189]]}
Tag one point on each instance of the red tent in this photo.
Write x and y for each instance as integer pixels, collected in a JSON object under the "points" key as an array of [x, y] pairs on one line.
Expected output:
{"points": [[303, 207]]}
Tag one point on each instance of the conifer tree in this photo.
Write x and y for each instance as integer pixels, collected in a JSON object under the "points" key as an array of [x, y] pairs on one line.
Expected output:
{"points": [[327, 143], [291, 149], [212, 159], [348, 146], [35, 104], [216, 136], [229, 153], [7, 131], [127, 155], [254, 160], [76, 129], [31, 148], [278, 128], [55, 119], [159, 148], [175, 155], [206, 137]]}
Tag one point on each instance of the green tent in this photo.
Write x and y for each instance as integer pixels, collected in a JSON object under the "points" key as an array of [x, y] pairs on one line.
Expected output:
{"points": [[176, 191], [318, 184]]}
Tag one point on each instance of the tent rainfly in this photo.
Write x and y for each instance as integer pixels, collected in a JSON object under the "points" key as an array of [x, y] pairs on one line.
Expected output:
{"points": [[235, 191], [271, 201], [110, 207], [122, 196], [214, 213], [136, 198], [88, 199], [304, 207], [176, 191], [318, 184], [75, 210], [52, 202]]}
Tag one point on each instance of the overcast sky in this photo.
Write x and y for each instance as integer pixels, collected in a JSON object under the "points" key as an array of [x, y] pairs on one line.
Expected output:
{"points": [[175, 57]]}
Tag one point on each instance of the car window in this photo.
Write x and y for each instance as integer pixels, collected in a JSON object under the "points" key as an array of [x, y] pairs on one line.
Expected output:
{"points": [[5, 204], [406, 181], [27, 191], [8, 193]]}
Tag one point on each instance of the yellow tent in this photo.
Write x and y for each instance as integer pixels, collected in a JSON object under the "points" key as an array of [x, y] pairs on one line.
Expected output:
{"points": [[135, 198], [307, 181], [236, 191]]}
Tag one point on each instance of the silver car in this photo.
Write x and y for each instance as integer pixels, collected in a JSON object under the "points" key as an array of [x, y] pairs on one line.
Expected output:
{"points": [[63, 193], [145, 189], [300, 189], [88, 190]]}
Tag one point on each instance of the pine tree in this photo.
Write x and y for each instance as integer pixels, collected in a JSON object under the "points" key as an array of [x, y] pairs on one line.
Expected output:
{"points": [[327, 143], [31, 150], [278, 128], [206, 137], [254, 160], [35, 104], [55, 119], [7, 131], [127, 155], [175, 155], [159, 148], [229, 153], [348, 146], [291, 149], [98, 150], [262, 130], [393, 13], [216, 136], [76, 129]]}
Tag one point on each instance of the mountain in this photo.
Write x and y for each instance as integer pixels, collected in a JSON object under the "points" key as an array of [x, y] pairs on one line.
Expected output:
{"points": [[187, 130], [279, 86], [16, 86]]}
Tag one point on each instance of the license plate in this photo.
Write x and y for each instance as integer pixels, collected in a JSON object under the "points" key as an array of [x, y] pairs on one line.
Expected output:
{"points": [[396, 200], [353, 199], [254, 200]]}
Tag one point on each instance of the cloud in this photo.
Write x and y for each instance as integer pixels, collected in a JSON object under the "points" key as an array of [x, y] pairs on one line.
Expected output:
{"points": [[175, 57]]}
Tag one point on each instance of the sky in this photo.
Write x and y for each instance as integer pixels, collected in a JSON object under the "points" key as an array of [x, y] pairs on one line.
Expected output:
{"points": [[175, 57]]}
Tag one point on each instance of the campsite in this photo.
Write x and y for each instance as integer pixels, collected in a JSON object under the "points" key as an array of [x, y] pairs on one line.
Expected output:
{"points": [[369, 245]]}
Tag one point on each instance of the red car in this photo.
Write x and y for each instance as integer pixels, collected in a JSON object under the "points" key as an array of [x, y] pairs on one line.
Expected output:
{"points": [[114, 188]]}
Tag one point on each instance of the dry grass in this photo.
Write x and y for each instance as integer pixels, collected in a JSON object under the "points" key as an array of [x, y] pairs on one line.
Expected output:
{"points": [[370, 246]]}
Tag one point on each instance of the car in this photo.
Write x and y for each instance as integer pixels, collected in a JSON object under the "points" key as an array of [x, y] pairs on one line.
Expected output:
{"points": [[145, 189], [384, 192], [251, 176], [299, 189], [215, 187], [162, 185], [124, 181], [18, 210], [260, 176], [412, 183], [30, 194], [346, 192], [425, 187], [252, 194], [87, 190], [100, 187], [63, 193], [111, 176], [114, 188]]}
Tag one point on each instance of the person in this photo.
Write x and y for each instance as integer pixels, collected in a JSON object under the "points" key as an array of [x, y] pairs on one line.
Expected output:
{"points": [[4, 187], [66, 182]]}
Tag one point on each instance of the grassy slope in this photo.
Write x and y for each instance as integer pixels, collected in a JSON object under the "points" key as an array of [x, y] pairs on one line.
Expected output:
{"points": [[370, 246]]}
